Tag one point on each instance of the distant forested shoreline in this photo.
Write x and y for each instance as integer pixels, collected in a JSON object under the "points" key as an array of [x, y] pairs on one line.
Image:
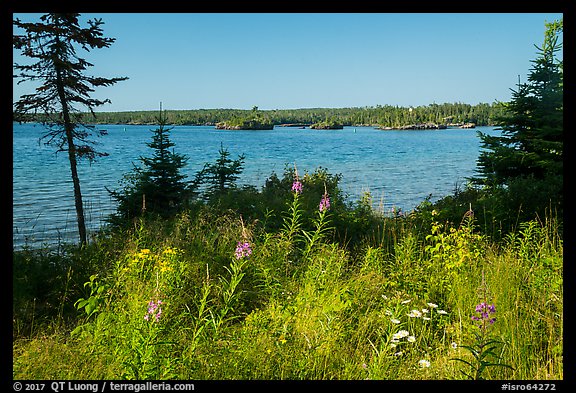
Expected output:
{"points": [[482, 114]]}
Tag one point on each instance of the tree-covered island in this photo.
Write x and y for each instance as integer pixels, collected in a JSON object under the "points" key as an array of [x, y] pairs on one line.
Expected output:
{"points": [[328, 124], [253, 121]]}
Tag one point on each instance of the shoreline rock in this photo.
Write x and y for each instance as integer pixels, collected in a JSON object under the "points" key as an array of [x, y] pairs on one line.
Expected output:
{"points": [[421, 126]]}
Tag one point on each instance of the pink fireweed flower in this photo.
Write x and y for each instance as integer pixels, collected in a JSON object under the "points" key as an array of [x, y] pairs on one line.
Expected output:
{"points": [[243, 250], [154, 310], [297, 187], [324, 203], [485, 310]]}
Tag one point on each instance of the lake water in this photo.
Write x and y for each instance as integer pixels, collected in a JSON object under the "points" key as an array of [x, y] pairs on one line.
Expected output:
{"points": [[399, 168]]}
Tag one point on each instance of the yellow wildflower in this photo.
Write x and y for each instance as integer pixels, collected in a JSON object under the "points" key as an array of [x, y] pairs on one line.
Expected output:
{"points": [[164, 266], [169, 251], [143, 254]]}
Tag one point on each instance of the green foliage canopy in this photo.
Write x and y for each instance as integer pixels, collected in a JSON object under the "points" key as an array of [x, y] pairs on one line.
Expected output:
{"points": [[482, 114]]}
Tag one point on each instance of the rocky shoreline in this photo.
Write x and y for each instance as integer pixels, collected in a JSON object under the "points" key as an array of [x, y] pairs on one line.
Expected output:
{"points": [[429, 126]]}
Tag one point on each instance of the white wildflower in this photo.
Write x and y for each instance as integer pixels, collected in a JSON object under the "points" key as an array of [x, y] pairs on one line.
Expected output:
{"points": [[399, 335], [424, 363]]}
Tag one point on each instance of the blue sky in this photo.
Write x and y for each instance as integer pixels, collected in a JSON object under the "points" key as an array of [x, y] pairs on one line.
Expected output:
{"points": [[310, 60]]}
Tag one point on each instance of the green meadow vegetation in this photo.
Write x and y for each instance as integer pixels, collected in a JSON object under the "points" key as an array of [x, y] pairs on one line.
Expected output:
{"points": [[342, 292], [205, 280]]}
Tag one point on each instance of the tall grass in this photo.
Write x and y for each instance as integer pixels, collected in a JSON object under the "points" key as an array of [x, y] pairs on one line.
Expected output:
{"points": [[174, 300]]}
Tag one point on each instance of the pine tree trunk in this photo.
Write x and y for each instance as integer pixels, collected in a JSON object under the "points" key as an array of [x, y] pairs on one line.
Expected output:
{"points": [[77, 192], [69, 128]]}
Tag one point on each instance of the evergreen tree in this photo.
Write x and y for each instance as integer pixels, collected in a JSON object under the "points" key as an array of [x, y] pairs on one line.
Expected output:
{"points": [[529, 151], [52, 43], [221, 175], [158, 187]]}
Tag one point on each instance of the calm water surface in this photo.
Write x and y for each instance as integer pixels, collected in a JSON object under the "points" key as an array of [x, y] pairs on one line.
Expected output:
{"points": [[399, 168]]}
